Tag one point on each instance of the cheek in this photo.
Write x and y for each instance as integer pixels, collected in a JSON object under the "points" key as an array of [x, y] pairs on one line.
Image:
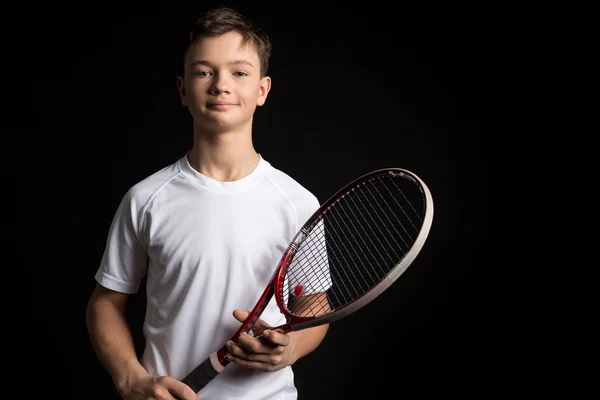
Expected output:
{"points": [[250, 94], [196, 89]]}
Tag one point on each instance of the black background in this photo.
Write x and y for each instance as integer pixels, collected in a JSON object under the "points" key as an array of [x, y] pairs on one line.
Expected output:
{"points": [[355, 88]]}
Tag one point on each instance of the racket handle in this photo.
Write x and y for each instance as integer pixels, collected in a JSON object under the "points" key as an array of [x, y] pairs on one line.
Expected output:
{"points": [[203, 374]]}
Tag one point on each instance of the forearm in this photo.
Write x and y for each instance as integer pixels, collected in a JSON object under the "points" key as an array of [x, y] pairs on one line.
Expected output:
{"points": [[307, 340], [112, 341]]}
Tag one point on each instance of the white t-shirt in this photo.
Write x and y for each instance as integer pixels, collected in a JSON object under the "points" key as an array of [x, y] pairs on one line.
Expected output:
{"points": [[207, 248]]}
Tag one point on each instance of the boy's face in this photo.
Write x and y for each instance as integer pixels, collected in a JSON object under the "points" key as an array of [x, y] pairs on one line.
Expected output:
{"points": [[222, 85]]}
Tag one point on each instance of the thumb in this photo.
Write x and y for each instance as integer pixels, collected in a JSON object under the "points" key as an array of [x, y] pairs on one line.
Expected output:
{"points": [[258, 327], [240, 315]]}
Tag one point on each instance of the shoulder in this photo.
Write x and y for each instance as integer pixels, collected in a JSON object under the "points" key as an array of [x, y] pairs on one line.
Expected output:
{"points": [[143, 192], [296, 192], [301, 200]]}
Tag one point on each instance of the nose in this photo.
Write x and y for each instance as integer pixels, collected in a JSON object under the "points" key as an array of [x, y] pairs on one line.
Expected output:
{"points": [[219, 84]]}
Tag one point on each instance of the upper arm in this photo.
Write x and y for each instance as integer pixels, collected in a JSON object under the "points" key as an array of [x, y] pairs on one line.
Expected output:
{"points": [[102, 295], [125, 257]]}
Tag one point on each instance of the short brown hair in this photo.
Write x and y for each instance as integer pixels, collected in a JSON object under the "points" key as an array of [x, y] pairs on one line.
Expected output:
{"points": [[219, 21]]}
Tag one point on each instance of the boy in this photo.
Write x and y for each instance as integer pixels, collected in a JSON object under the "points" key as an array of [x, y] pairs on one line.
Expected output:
{"points": [[207, 231]]}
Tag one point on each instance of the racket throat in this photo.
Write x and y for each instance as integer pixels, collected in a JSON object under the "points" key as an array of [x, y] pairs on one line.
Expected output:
{"points": [[248, 324]]}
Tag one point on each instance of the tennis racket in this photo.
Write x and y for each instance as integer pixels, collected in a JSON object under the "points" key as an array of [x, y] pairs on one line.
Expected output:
{"points": [[349, 251]]}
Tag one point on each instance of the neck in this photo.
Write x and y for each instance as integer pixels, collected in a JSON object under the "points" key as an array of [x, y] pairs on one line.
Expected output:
{"points": [[224, 157]]}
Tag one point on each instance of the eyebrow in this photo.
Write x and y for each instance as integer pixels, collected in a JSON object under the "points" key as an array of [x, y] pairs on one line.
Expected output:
{"points": [[208, 64]]}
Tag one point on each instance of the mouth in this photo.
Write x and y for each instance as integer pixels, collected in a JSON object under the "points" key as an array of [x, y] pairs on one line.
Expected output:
{"points": [[220, 103], [220, 106]]}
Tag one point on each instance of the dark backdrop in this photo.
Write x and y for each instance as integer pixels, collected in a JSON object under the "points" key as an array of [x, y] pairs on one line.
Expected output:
{"points": [[355, 88]]}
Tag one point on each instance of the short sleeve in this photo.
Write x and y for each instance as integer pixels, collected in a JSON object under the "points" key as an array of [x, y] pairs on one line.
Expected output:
{"points": [[125, 258]]}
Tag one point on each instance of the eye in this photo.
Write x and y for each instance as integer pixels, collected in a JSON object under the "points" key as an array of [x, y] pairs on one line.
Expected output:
{"points": [[202, 73], [240, 73]]}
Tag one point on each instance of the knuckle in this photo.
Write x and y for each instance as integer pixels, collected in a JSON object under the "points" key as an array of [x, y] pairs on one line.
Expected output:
{"points": [[155, 390], [157, 387], [254, 347], [275, 360]]}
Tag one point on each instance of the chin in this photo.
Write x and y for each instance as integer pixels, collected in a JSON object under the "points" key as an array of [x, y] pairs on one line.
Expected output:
{"points": [[215, 125], [220, 122]]}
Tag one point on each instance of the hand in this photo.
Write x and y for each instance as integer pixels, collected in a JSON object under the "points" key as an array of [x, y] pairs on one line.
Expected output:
{"points": [[157, 388], [270, 351]]}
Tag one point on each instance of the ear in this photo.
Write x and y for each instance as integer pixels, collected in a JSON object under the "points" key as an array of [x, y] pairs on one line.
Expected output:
{"points": [[181, 90], [263, 90]]}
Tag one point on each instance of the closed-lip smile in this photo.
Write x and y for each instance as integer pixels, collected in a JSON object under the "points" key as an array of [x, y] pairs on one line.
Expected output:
{"points": [[220, 103]]}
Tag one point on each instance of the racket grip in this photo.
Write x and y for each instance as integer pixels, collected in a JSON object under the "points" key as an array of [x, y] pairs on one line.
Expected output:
{"points": [[201, 375]]}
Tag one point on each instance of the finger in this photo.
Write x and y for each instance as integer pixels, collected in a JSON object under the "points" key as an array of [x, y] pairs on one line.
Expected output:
{"points": [[178, 389], [259, 361], [267, 342], [251, 344], [260, 344], [247, 346], [188, 396], [259, 325], [240, 315], [276, 338]]}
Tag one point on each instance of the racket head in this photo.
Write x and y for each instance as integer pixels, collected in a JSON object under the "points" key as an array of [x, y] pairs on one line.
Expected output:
{"points": [[359, 242]]}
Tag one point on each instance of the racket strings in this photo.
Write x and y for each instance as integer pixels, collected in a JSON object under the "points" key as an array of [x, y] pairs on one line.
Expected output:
{"points": [[354, 245]]}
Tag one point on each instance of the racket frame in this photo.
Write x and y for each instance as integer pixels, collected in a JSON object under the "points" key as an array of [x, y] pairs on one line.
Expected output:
{"points": [[297, 323], [219, 360]]}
